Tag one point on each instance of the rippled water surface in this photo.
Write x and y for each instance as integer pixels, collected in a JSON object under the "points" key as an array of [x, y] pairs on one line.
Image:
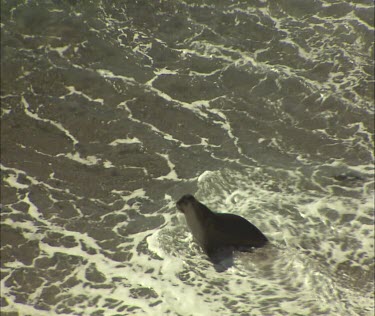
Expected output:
{"points": [[111, 110]]}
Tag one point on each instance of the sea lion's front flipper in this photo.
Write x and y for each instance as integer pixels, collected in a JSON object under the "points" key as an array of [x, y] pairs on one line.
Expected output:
{"points": [[222, 258]]}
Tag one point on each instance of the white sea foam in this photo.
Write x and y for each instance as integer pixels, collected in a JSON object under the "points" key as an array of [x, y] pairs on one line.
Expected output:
{"points": [[287, 146]]}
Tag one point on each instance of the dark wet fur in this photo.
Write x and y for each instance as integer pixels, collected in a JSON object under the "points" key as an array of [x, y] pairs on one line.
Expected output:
{"points": [[221, 233]]}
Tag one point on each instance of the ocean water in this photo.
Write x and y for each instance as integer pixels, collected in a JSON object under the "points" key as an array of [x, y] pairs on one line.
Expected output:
{"points": [[112, 110]]}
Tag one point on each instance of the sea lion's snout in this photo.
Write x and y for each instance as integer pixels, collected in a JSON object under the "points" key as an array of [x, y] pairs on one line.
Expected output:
{"points": [[183, 201]]}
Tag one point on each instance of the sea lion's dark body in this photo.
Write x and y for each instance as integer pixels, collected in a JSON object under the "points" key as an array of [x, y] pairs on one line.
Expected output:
{"points": [[214, 231]]}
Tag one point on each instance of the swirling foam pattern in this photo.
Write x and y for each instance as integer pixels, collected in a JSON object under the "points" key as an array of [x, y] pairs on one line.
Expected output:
{"points": [[111, 110]]}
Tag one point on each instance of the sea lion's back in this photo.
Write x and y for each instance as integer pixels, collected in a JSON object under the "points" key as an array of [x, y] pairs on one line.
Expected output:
{"points": [[239, 230]]}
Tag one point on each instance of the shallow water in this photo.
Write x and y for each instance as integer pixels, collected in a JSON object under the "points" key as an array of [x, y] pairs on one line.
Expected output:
{"points": [[113, 110]]}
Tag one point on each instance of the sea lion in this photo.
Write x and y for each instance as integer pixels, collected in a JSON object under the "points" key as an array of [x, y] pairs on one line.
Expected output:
{"points": [[217, 231]]}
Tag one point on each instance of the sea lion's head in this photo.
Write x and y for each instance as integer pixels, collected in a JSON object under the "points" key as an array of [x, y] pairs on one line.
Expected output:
{"points": [[183, 203]]}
